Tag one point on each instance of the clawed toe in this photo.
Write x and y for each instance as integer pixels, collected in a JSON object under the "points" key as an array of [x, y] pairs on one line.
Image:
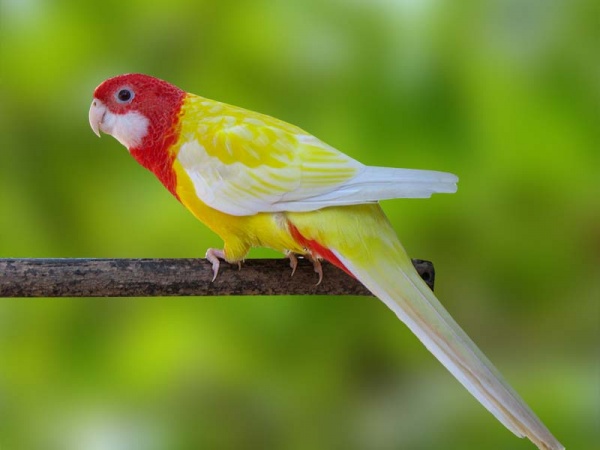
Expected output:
{"points": [[214, 256], [315, 260], [293, 261], [317, 265]]}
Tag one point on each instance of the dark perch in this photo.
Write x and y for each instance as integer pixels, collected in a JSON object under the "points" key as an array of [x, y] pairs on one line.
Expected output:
{"points": [[174, 277]]}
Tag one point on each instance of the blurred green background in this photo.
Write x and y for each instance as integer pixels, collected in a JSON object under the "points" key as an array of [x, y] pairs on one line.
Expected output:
{"points": [[504, 93]]}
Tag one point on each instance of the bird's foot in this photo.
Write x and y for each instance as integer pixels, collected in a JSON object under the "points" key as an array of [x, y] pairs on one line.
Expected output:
{"points": [[293, 261], [215, 256], [316, 262]]}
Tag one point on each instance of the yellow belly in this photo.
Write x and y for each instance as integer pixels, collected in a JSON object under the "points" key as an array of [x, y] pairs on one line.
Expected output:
{"points": [[239, 233]]}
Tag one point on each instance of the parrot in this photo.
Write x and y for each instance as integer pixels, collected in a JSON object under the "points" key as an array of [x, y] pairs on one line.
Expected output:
{"points": [[257, 181]]}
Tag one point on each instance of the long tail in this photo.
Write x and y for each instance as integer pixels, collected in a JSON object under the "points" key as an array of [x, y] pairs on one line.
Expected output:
{"points": [[382, 265]]}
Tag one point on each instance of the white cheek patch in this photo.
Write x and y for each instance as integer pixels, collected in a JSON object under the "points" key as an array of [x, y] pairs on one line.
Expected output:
{"points": [[129, 129]]}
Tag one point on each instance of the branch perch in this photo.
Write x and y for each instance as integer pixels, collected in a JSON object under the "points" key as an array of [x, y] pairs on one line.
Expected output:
{"points": [[174, 277]]}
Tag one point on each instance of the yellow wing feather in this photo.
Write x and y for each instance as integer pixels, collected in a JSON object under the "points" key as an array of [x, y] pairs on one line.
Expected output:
{"points": [[242, 162]]}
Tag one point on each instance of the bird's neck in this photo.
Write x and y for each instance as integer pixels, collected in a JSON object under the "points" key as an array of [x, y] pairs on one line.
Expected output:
{"points": [[155, 152]]}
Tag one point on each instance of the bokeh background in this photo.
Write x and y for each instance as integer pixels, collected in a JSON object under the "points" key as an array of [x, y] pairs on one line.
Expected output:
{"points": [[504, 93]]}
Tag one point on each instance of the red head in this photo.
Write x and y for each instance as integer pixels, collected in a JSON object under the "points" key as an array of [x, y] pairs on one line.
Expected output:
{"points": [[136, 109], [142, 113]]}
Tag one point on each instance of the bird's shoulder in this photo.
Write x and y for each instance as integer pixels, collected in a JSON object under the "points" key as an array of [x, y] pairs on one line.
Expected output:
{"points": [[236, 135]]}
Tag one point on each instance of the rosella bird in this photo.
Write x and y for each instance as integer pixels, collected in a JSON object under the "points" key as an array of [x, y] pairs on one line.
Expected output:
{"points": [[257, 181]]}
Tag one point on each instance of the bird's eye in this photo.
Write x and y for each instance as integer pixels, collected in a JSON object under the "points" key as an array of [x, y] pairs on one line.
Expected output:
{"points": [[124, 95]]}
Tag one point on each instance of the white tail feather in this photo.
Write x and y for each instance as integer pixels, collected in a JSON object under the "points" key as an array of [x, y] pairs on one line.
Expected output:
{"points": [[402, 290]]}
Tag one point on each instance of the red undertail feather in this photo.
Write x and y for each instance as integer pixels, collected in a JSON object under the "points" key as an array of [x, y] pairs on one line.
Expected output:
{"points": [[317, 249]]}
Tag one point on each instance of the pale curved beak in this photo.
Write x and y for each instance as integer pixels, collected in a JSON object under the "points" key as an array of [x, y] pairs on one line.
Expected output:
{"points": [[96, 115]]}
